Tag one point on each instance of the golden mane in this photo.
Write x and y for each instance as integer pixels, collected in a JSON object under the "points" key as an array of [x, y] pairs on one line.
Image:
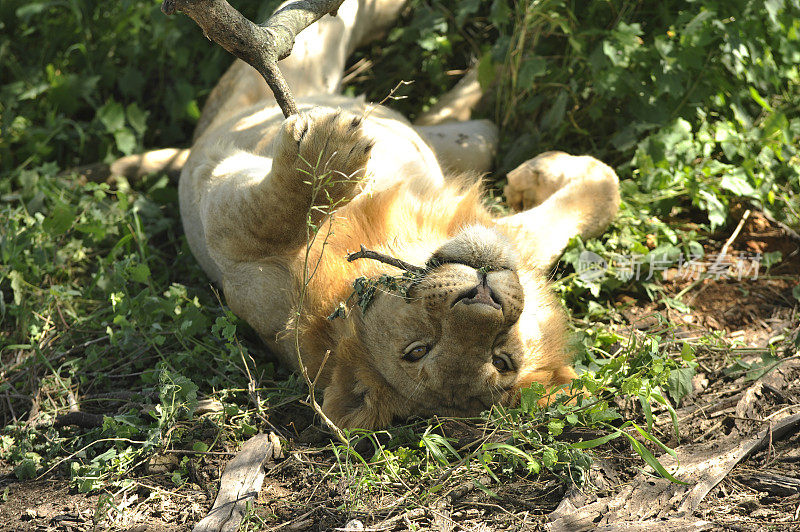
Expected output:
{"points": [[396, 221]]}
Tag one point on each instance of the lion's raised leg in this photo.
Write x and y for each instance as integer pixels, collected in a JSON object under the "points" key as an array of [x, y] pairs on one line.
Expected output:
{"points": [[455, 105], [563, 196], [460, 144], [318, 163]]}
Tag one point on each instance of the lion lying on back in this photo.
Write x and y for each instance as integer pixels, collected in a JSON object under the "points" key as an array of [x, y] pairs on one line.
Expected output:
{"points": [[268, 203]]}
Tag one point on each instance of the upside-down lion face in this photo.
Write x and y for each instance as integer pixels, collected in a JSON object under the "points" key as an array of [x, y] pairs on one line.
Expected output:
{"points": [[462, 340]]}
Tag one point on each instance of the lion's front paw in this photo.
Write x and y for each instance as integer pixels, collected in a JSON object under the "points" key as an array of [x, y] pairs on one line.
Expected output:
{"points": [[324, 147], [535, 180], [532, 182]]}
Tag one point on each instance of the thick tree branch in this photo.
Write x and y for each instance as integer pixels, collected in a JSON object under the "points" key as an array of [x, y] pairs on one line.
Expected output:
{"points": [[386, 259], [259, 45]]}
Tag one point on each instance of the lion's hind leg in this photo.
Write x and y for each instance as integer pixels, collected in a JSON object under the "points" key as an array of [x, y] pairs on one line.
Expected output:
{"points": [[461, 145]]}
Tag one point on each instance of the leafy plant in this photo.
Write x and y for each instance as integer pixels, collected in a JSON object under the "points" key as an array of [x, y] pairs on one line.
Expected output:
{"points": [[82, 83], [695, 101]]}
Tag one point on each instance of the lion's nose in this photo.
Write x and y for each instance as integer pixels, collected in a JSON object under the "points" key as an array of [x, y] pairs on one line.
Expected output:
{"points": [[480, 295]]}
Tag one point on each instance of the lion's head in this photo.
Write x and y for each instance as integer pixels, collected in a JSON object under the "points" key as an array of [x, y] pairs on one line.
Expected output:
{"points": [[469, 333]]}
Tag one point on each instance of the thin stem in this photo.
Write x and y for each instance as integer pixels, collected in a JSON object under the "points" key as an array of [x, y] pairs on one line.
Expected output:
{"points": [[318, 184], [386, 259]]}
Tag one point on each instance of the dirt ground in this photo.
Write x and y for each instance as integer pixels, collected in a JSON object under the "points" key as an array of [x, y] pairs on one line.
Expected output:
{"points": [[762, 492]]}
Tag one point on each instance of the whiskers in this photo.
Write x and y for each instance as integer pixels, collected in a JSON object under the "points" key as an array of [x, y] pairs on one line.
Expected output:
{"points": [[412, 397], [498, 393]]}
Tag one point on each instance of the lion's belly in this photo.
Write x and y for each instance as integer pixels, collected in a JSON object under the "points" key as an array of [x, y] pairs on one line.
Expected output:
{"points": [[400, 155], [262, 293]]}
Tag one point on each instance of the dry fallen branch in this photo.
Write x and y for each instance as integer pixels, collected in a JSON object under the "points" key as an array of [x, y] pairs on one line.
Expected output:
{"points": [[259, 45], [386, 259], [777, 485], [240, 483]]}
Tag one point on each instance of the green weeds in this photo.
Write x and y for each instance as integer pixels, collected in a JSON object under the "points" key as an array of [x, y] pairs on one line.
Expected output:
{"points": [[81, 83], [96, 304]]}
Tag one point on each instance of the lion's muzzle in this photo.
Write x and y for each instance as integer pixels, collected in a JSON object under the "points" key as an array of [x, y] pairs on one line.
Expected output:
{"points": [[482, 294]]}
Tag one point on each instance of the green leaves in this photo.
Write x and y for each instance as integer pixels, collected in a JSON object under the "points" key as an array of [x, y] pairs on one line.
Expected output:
{"points": [[112, 116], [531, 68], [78, 266], [138, 272], [75, 79], [691, 100], [438, 447], [178, 395], [640, 449], [116, 120], [679, 383], [27, 467], [622, 44], [60, 219]]}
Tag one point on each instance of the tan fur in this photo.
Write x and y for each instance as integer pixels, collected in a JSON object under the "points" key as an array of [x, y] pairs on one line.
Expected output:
{"points": [[246, 200]]}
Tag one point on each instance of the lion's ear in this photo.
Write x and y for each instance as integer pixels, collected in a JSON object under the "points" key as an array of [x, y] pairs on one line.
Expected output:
{"points": [[357, 396]]}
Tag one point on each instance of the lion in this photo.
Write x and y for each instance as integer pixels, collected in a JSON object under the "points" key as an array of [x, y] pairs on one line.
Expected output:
{"points": [[271, 207]]}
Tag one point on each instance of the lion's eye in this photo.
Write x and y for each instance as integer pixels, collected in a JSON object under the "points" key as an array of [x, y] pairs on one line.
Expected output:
{"points": [[502, 362], [415, 352]]}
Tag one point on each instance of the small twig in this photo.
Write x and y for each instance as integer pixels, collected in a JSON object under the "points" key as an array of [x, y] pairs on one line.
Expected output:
{"points": [[781, 411], [390, 523], [389, 96], [10, 409], [322, 365], [720, 255], [120, 395], [735, 233], [317, 185], [293, 521], [259, 45], [55, 356], [82, 449], [791, 233], [386, 259], [362, 65]]}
